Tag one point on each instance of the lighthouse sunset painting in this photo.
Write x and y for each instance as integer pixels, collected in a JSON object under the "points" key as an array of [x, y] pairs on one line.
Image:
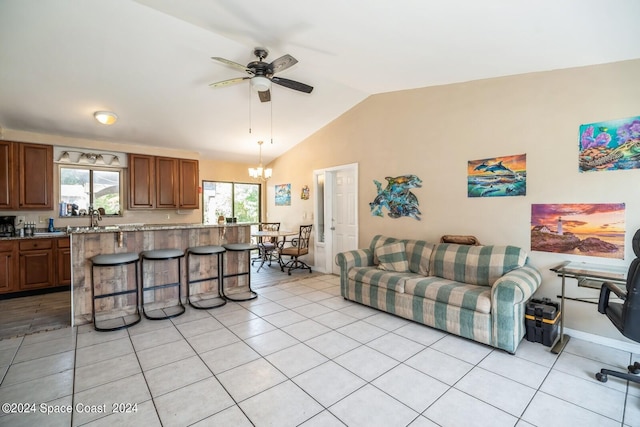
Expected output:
{"points": [[579, 229]]}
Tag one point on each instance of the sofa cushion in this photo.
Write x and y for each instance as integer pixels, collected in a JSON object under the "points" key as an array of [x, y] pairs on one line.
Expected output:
{"points": [[472, 297], [392, 257], [378, 241], [373, 276], [419, 255], [476, 265]]}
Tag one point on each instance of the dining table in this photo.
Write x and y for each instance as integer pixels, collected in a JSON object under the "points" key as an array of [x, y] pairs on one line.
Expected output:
{"points": [[280, 234]]}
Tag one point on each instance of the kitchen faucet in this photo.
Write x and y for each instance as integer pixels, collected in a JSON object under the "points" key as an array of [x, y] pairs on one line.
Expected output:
{"points": [[94, 217]]}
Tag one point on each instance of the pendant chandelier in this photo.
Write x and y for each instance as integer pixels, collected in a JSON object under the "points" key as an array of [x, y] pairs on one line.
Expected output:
{"points": [[260, 173]]}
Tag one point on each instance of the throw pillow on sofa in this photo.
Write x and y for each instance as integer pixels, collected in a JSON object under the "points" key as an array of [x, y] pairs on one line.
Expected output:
{"points": [[392, 257]]}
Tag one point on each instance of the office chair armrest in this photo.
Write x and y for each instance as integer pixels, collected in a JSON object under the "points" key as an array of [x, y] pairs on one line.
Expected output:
{"points": [[605, 292]]}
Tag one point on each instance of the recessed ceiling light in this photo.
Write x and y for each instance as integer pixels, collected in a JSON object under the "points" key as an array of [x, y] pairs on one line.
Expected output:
{"points": [[105, 117]]}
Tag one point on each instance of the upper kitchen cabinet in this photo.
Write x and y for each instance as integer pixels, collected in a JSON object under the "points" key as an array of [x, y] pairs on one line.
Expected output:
{"points": [[26, 176], [189, 175], [36, 176], [8, 176], [162, 183]]}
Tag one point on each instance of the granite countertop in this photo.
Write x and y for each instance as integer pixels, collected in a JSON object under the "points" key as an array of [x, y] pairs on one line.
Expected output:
{"points": [[147, 227], [42, 234]]}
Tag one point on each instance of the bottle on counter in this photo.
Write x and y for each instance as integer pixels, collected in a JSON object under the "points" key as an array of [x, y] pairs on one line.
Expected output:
{"points": [[51, 228]]}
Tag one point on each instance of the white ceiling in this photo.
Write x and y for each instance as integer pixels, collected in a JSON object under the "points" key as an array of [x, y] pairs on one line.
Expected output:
{"points": [[150, 60]]}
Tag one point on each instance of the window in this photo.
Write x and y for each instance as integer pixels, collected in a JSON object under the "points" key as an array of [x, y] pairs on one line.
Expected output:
{"points": [[230, 200], [81, 187]]}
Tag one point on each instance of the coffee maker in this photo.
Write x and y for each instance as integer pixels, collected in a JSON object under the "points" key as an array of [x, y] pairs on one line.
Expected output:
{"points": [[7, 226]]}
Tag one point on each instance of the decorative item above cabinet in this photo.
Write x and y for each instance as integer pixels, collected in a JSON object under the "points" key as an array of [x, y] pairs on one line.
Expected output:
{"points": [[162, 182]]}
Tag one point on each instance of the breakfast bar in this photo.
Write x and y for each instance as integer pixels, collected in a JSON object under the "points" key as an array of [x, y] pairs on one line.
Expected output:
{"points": [[87, 242]]}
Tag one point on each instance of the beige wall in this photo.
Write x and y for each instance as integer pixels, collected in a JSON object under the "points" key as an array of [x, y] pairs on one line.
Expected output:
{"points": [[433, 132]]}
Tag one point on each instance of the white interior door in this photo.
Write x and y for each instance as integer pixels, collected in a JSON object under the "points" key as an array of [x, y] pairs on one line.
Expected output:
{"points": [[344, 215]]}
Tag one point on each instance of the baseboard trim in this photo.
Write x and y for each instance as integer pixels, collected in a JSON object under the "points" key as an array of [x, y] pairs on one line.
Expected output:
{"points": [[597, 339]]}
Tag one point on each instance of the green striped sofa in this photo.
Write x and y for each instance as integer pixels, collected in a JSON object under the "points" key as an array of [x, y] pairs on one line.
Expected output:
{"points": [[477, 292]]}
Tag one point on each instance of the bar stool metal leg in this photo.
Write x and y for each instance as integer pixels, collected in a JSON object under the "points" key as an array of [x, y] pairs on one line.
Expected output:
{"points": [[111, 261], [162, 255], [240, 247], [215, 302]]}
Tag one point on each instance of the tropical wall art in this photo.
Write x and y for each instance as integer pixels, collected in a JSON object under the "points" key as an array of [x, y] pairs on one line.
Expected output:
{"points": [[579, 229], [304, 193], [397, 197], [283, 194], [498, 176], [610, 145]]}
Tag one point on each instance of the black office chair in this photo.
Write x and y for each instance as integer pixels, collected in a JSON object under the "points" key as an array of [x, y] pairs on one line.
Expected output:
{"points": [[299, 247], [626, 315]]}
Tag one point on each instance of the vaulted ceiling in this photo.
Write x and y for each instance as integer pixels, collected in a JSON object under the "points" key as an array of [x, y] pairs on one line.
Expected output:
{"points": [[150, 62]]}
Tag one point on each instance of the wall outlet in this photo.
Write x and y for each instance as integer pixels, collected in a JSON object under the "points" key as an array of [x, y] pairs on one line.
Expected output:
{"points": [[168, 216], [43, 219]]}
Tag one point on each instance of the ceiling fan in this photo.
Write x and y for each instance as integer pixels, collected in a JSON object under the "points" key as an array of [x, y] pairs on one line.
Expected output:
{"points": [[261, 74]]}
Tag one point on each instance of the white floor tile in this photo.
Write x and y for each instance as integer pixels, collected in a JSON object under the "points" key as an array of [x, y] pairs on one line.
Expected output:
{"points": [[598, 352], [106, 371], [464, 349], [496, 390], [37, 368], [323, 419], [400, 348], [283, 405], [366, 362], [361, 331], [250, 379], [443, 367], [270, 342], [251, 328], [306, 329], [371, 407], [584, 368], [199, 326], [164, 354], [386, 321], [313, 310], [142, 414], [515, 368], [589, 394], [175, 375], [214, 339], [335, 319], [228, 357], [328, 383], [155, 338], [284, 318], [549, 411], [231, 416], [456, 408], [295, 360], [103, 351], [411, 387], [420, 333], [332, 344]]}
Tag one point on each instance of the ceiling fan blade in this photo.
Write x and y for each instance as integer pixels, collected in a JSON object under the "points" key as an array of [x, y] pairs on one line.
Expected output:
{"points": [[265, 96], [291, 84], [283, 63], [232, 64], [229, 82]]}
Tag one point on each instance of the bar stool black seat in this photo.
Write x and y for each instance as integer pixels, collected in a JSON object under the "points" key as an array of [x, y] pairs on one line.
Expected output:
{"points": [[208, 250], [240, 247], [115, 260], [162, 255]]}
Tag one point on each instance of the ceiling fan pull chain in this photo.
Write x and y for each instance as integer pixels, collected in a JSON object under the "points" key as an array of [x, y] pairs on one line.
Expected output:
{"points": [[249, 110]]}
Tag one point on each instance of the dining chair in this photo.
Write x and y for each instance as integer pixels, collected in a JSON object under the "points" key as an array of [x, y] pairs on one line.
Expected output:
{"points": [[267, 246], [299, 247]]}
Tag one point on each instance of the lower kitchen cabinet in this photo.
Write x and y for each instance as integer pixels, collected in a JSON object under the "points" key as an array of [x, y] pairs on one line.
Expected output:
{"points": [[34, 264]]}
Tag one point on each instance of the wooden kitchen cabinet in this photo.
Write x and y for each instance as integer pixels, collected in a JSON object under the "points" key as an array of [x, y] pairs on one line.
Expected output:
{"points": [[63, 261], [166, 183], [8, 266], [26, 176], [35, 169], [162, 182], [189, 194], [8, 176], [36, 264], [142, 181]]}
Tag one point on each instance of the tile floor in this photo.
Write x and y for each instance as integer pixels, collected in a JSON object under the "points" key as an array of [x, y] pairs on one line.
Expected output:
{"points": [[302, 355]]}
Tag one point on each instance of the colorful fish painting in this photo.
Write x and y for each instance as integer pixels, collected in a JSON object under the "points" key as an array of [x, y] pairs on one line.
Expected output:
{"points": [[397, 197], [498, 176], [616, 145]]}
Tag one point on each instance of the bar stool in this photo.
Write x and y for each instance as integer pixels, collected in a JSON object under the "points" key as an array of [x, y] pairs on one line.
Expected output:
{"points": [[162, 255], [238, 248], [110, 261], [208, 250]]}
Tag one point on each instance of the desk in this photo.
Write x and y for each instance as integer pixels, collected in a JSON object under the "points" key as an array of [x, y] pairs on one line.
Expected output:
{"points": [[588, 275], [264, 255]]}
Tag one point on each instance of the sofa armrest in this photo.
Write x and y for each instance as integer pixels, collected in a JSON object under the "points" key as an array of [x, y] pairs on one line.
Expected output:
{"points": [[508, 297], [517, 286], [349, 259]]}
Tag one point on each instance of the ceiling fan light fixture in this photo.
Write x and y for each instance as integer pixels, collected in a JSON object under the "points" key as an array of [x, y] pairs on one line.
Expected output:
{"points": [[105, 117], [260, 83]]}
